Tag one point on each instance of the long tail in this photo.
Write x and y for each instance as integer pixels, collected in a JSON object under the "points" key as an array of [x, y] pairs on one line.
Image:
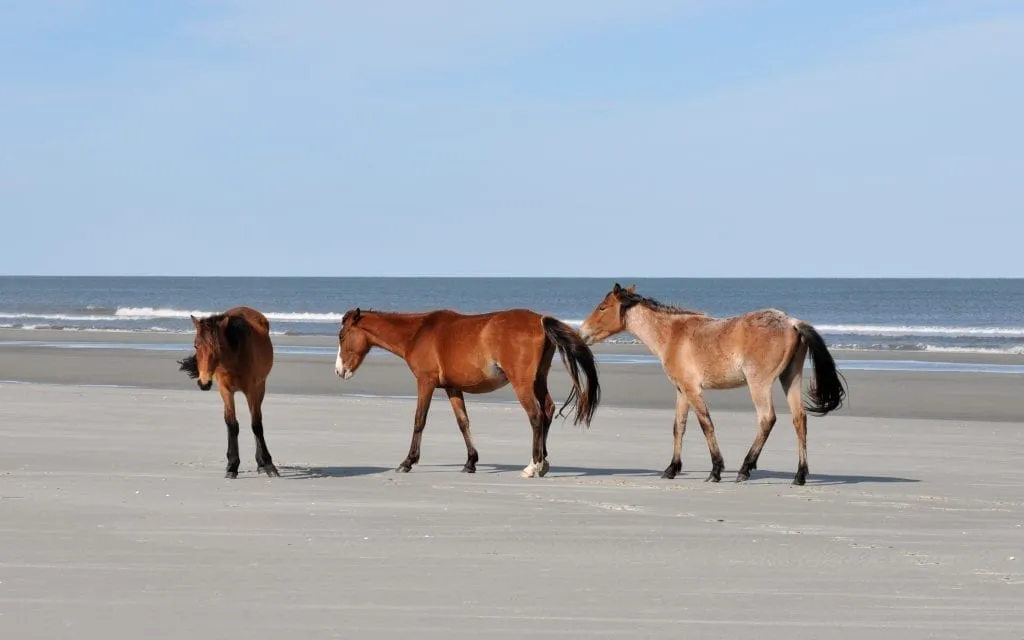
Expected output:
{"points": [[827, 389], [576, 355]]}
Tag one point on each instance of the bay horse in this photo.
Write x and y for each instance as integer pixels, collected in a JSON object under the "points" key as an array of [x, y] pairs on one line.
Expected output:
{"points": [[476, 354], [700, 352], [234, 349]]}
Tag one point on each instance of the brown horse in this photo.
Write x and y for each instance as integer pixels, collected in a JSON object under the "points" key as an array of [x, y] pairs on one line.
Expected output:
{"points": [[234, 348], [700, 352], [476, 354]]}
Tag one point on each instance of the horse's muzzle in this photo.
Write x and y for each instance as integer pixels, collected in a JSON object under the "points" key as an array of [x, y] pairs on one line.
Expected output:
{"points": [[205, 386]]}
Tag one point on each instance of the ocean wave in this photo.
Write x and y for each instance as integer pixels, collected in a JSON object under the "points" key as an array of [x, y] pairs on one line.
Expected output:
{"points": [[930, 348], [151, 313], [920, 330]]}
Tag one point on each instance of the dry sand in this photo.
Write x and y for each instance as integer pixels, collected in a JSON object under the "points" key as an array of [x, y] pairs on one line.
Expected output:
{"points": [[115, 521]]}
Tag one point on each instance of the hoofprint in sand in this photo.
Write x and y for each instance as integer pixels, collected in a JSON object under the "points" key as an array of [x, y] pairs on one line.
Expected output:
{"points": [[117, 523]]}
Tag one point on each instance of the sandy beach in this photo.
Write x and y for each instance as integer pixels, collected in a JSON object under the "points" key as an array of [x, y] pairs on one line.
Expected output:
{"points": [[117, 522]]}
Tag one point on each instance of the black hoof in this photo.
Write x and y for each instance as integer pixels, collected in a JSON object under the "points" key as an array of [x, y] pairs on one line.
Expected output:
{"points": [[799, 481], [270, 470], [713, 478], [403, 469], [468, 469], [669, 474], [231, 474], [742, 476]]}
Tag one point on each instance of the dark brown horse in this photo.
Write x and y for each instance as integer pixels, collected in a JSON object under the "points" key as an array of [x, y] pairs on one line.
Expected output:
{"points": [[476, 354], [699, 352], [234, 349]]}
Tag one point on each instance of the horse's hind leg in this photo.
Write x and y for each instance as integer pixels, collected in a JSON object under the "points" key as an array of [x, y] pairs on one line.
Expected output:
{"points": [[549, 415], [792, 384], [462, 417], [264, 462], [762, 396], [708, 427], [424, 393], [228, 396], [536, 412]]}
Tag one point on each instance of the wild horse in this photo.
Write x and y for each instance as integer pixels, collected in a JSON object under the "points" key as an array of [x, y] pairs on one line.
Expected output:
{"points": [[234, 349], [700, 352], [476, 354]]}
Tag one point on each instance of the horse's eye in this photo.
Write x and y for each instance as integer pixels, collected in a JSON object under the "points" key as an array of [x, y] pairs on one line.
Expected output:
{"points": [[602, 308]]}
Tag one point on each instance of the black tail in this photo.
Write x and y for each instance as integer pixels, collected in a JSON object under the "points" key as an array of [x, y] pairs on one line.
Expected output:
{"points": [[190, 366], [827, 389], [576, 355]]}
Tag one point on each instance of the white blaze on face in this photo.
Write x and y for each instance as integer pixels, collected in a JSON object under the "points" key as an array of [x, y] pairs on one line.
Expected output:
{"points": [[339, 367]]}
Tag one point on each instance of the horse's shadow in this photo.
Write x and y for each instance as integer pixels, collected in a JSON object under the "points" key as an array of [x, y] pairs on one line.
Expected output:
{"points": [[695, 474], [307, 473], [824, 478], [559, 470]]}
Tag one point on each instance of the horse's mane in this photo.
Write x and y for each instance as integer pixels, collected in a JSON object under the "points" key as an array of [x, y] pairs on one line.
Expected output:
{"points": [[629, 299]]}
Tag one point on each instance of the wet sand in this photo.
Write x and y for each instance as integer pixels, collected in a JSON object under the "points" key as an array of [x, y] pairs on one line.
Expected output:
{"points": [[117, 522], [898, 394]]}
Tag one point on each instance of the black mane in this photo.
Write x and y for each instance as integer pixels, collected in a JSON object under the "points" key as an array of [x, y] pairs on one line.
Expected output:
{"points": [[629, 299]]}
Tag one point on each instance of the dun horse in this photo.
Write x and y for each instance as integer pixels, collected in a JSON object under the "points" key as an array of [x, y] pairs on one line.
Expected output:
{"points": [[476, 354], [234, 349], [700, 352]]}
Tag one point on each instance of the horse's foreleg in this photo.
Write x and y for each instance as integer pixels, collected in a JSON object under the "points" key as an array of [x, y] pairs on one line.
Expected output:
{"points": [[678, 429], [228, 396], [762, 396], [424, 393], [708, 427], [264, 462], [462, 417]]}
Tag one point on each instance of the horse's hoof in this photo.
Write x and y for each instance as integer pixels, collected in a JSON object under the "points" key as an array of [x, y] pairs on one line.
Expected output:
{"points": [[713, 478], [403, 469], [742, 476], [270, 470], [231, 474], [670, 473], [468, 469], [799, 482], [543, 470]]}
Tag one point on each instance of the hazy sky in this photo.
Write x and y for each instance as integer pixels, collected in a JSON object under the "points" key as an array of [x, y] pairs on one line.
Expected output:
{"points": [[518, 137]]}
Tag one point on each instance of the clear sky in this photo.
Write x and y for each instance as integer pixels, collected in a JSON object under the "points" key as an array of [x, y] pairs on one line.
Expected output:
{"points": [[512, 137]]}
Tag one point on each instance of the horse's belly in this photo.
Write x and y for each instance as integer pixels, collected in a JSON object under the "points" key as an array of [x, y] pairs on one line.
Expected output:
{"points": [[483, 380]]}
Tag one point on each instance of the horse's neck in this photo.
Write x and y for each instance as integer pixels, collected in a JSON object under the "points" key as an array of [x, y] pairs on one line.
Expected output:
{"points": [[652, 328], [392, 332]]}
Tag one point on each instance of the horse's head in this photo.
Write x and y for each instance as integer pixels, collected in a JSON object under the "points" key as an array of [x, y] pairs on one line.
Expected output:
{"points": [[211, 341], [353, 345], [608, 317]]}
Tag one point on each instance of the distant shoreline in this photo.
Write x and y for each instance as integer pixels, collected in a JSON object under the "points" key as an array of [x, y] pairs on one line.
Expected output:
{"points": [[137, 340]]}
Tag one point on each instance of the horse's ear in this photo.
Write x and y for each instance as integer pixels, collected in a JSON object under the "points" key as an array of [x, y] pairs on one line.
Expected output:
{"points": [[356, 315], [195, 321], [631, 288], [616, 288]]}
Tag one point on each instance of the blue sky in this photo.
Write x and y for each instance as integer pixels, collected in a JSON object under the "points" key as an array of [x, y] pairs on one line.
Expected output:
{"points": [[558, 138]]}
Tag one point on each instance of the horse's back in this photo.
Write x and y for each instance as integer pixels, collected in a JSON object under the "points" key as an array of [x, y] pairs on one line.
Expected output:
{"points": [[258, 342], [480, 337], [725, 352], [253, 317]]}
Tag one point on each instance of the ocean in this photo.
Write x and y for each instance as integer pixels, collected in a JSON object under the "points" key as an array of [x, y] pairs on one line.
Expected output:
{"points": [[985, 316]]}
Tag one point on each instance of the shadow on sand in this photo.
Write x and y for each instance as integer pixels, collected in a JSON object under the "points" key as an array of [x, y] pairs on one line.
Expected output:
{"points": [[820, 478], [305, 473], [560, 470]]}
